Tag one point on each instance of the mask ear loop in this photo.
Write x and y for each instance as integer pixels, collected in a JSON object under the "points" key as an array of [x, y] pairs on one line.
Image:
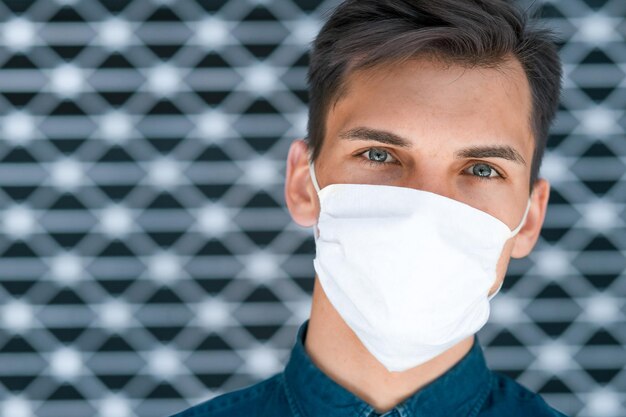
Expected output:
{"points": [[316, 231], [496, 292], [313, 177], [521, 224], [513, 233]]}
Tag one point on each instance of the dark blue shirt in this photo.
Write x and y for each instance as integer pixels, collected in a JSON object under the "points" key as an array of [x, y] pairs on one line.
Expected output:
{"points": [[468, 389]]}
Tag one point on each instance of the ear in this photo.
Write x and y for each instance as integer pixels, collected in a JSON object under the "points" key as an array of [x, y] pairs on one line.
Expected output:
{"points": [[300, 194], [529, 233]]}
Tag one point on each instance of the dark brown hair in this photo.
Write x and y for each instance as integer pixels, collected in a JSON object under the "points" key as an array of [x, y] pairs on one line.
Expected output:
{"points": [[365, 33]]}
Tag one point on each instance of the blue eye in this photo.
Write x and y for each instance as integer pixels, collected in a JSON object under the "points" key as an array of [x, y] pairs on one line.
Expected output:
{"points": [[484, 171], [378, 156]]}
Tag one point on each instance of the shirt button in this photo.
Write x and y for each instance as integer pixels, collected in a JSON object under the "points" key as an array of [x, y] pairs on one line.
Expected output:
{"points": [[391, 413]]}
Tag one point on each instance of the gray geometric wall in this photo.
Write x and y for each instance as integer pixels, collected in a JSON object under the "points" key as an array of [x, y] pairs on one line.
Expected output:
{"points": [[147, 260]]}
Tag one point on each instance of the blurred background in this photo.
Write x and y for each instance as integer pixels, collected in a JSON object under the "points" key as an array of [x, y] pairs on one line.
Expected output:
{"points": [[147, 261]]}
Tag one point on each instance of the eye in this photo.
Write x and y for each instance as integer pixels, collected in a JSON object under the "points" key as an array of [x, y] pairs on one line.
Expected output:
{"points": [[484, 171], [378, 156]]}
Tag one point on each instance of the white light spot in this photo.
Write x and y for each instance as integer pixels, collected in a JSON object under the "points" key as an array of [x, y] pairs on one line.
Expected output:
{"points": [[305, 31], [115, 315], [18, 127], [212, 33], [261, 172], [214, 314], [601, 216], [115, 34], [261, 266], [17, 316], [116, 221], [18, 222], [262, 362], [66, 174], [66, 80], [214, 125], [164, 363], [554, 168], [261, 79], [16, 407], [602, 309], [66, 364], [302, 310], [164, 173], [599, 121], [114, 406], [66, 268], [506, 309], [116, 127], [552, 263], [299, 123], [596, 29], [604, 403], [165, 267], [18, 34], [554, 358], [214, 220], [163, 80]]}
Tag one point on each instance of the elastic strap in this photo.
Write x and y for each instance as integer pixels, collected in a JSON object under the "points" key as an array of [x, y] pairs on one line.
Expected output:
{"points": [[519, 227], [497, 291], [313, 178]]}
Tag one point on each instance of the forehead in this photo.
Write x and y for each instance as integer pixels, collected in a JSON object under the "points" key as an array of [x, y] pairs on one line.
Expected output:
{"points": [[424, 97], [437, 75]]}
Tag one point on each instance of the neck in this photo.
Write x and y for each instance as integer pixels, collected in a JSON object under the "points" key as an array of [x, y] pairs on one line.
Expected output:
{"points": [[337, 351]]}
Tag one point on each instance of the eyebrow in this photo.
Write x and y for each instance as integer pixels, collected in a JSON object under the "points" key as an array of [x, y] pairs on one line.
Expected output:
{"points": [[489, 151], [495, 151], [364, 133]]}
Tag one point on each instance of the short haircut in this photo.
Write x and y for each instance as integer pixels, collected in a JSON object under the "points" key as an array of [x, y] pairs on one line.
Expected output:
{"points": [[362, 34]]}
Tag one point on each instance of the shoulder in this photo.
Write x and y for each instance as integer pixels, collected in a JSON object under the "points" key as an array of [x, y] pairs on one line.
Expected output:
{"points": [[510, 398], [264, 398]]}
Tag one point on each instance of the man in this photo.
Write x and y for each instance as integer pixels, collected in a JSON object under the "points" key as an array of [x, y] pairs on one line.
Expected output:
{"points": [[428, 122]]}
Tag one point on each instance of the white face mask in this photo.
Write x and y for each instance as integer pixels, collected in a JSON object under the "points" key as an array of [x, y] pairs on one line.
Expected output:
{"points": [[408, 270]]}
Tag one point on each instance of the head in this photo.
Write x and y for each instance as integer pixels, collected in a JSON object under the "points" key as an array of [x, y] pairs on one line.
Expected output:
{"points": [[455, 97]]}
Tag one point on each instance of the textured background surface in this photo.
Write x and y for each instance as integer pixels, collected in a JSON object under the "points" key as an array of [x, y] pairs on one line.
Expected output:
{"points": [[146, 260]]}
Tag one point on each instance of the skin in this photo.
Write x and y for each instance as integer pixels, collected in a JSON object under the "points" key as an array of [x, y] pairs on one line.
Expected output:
{"points": [[438, 109]]}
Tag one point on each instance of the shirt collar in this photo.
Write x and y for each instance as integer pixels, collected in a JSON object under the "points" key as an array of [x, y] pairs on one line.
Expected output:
{"points": [[458, 391]]}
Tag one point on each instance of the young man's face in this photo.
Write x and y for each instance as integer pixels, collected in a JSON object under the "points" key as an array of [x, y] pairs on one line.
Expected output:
{"points": [[424, 122]]}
